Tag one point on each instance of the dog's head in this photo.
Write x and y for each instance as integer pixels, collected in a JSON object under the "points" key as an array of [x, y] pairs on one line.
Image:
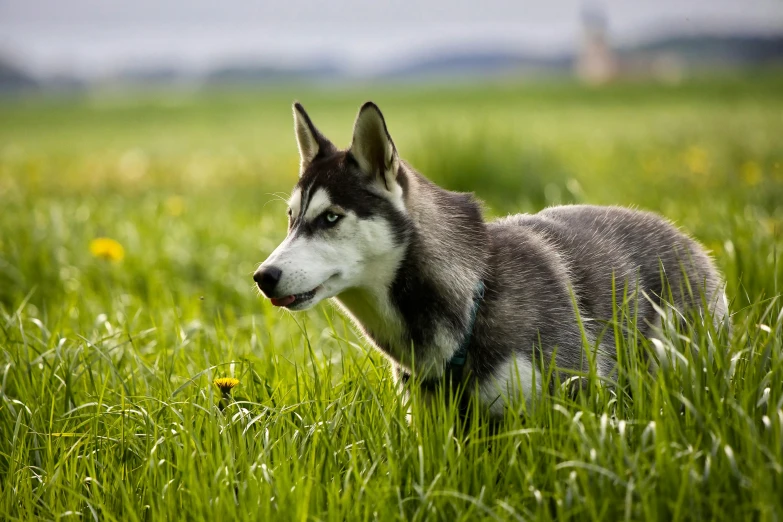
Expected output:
{"points": [[347, 223]]}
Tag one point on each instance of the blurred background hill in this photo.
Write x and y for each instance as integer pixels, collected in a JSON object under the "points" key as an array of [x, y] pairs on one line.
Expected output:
{"points": [[85, 44]]}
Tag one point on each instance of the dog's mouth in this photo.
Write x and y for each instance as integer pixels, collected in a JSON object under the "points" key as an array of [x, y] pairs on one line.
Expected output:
{"points": [[293, 300]]}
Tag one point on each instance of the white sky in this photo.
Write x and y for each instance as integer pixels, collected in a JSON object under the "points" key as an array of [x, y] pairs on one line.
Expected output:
{"points": [[96, 37]]}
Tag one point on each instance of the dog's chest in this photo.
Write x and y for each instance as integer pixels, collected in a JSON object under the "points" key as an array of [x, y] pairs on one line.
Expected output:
{"points": [[379, 320]]}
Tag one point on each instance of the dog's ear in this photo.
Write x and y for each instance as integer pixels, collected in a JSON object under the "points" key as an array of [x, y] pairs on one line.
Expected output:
{"points": [[372, 146], [309, 140]]}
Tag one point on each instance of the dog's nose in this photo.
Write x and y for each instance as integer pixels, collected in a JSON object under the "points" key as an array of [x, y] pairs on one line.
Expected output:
{"points": [[267, 279]]}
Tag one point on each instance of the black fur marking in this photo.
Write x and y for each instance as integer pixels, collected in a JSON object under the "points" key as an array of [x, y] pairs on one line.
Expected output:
{"points": [[421, 300], [339, 175]]}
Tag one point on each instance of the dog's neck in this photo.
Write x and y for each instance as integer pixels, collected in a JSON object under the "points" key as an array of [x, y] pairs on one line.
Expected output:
{"points": [[422, 312]]}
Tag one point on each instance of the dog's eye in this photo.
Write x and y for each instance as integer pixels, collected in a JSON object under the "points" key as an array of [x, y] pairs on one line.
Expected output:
{"points": [[330, 218]]}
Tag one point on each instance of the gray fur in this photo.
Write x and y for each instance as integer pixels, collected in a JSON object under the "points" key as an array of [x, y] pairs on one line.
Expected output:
{"points": [[533, 268]]}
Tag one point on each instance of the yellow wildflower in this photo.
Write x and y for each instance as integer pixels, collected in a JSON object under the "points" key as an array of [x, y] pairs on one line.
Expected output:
{"points": [[225, 383], [174, 206], [751, 173], [107, 248], [697, 160]]}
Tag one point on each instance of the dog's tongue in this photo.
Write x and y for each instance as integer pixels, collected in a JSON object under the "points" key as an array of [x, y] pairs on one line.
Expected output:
{"points": [[283, 301]]}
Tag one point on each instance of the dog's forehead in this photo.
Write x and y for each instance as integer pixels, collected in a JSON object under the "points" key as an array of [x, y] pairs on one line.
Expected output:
{"points": [[325, 172], [336, 179]]}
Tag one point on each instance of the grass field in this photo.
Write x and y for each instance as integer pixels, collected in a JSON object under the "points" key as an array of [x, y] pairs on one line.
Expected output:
{"points": [[108, 409]]}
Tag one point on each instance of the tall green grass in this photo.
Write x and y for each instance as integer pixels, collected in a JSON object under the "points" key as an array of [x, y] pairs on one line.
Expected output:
{"points": [[107, 409]]}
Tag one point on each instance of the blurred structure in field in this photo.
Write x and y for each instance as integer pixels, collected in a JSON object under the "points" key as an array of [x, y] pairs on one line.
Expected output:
{"points": [[50, 46], [668, 59], [596, 63]]}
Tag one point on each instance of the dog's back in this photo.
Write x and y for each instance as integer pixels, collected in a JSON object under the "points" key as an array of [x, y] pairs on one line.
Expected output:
{"points": [[541, 264]]}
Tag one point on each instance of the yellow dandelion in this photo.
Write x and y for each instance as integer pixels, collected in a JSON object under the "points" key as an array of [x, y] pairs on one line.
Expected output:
{"points": [[107, 248], [225, 383], [174, 206], [751, 173], [697, 160]]}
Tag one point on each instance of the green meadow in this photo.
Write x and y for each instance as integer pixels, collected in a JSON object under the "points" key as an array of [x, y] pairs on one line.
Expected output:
{"points": [[108, 350]]}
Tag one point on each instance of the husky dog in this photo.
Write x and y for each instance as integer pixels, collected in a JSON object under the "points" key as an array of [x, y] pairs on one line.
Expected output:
{"points": [[442, 293]]}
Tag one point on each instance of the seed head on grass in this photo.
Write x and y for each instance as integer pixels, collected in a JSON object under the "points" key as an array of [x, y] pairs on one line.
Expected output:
{"points": [[107, 248]]}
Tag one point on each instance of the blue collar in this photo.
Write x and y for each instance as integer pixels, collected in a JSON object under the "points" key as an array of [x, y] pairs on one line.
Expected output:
{"points": [[457, 361]]}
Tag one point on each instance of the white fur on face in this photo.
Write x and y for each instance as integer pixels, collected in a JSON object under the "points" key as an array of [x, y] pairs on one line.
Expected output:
{"points": [[295, 202], [514, 378], [356, 253], [318, 203]]}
